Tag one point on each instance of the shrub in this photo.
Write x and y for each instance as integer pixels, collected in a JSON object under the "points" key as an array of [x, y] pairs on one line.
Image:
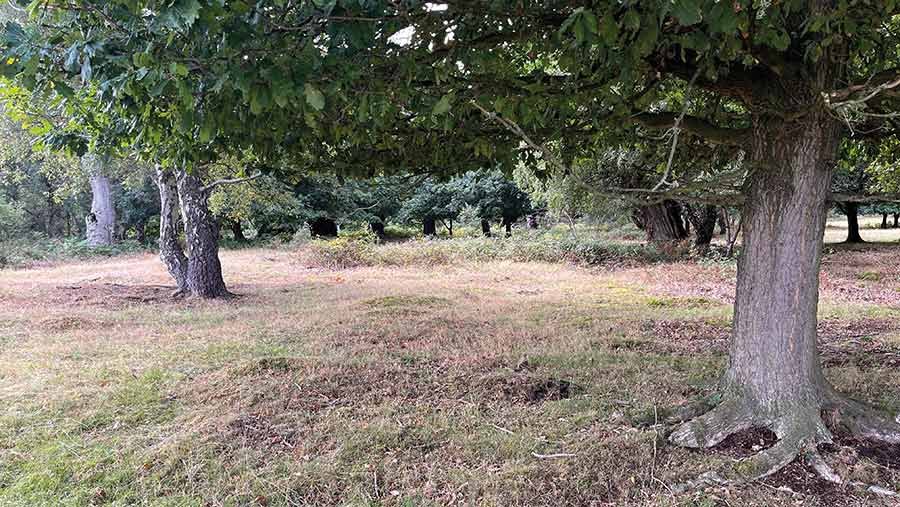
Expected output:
{"points": [[340, 253], [24, 251], [346, 252]]}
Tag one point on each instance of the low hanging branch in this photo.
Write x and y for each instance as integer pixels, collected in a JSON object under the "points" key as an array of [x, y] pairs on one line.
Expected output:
{"points": [[645, 196], [229, 181], [676, 129]]}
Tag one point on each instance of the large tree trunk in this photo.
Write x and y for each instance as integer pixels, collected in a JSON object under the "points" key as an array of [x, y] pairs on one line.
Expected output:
{"points": [[100, 224], [774, 377], [663, 221], [170, 251], [852, 210], [204, 270], [703, 218]]}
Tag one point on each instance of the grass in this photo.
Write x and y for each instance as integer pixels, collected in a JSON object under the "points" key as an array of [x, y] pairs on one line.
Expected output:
{"points": [[394, 385]]}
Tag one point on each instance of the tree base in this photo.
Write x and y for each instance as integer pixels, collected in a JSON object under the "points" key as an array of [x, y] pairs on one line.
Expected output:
{"points": [[799, 436]]}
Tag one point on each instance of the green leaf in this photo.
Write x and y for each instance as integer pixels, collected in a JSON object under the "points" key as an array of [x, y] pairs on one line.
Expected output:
{"points": [[179, 69], [722, 18], [314, 97], [188, 11], [442, 106], [687, 12], [632, 20], [609, 30]]}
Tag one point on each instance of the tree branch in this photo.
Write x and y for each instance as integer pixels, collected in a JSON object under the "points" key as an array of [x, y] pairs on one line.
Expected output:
{"points": [[696, 126], [859, 93], [229, 181]]}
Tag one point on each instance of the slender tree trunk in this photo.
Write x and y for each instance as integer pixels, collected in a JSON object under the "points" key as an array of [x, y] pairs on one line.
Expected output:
{"points": [[204, 270], [852, 210], [429, 227], [101, 222], [237, 230], [884, 222], [140, 232], [703, 218], [663, 221], [170, 251], [486, 228], [507, 224], [896, 220], [378, 229]]}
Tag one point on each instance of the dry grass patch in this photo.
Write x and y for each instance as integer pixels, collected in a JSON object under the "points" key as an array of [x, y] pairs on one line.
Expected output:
{"points": [[383, 385]]}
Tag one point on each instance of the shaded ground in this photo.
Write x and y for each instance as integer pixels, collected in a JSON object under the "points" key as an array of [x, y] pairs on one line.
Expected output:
{"points": [[405, 386]]}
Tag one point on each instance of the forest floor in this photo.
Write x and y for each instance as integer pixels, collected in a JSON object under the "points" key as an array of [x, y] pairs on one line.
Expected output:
{"points": [[490, 384]]}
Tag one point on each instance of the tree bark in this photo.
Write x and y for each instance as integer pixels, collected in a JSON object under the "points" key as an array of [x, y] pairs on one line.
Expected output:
{"points": [[170, 251], [774, 377], [852, 210], [507, 224], [663, 221], [703, 218], [429, 227], [100, 223], [884, 222], [204, 270], [896, 220], [486, 228]]}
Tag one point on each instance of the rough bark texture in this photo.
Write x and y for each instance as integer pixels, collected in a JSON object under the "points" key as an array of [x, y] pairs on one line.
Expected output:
{"points": [[170, 251], [852, 210], [663, 221], [703, 218], [100, 223], [204, 271], [774, 377]]}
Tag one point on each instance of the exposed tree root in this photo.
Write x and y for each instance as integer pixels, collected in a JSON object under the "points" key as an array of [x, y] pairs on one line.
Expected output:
{"points": [[824, 470], [798, 437], [714, 426], [861, 421]]}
